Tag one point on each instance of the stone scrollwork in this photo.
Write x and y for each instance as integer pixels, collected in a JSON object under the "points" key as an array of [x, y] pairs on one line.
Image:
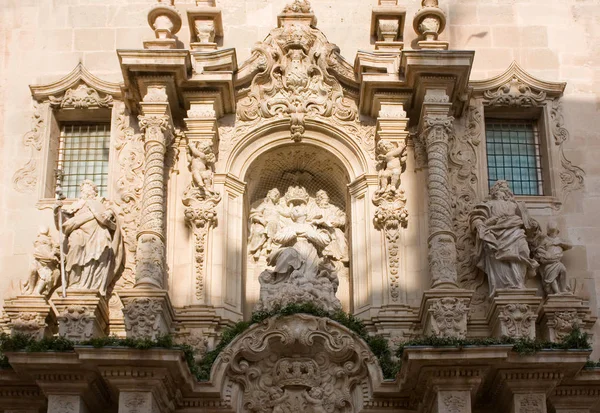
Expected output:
{"points": [[328, 377], [81, 97], [76, 323], [514, 93], [293, 79], [517, 321], [563, 322], [25, 178], [129, 147], [571, 175], [200, 200], [449, 317], [28, 323], [389, 198], [143, 317]]}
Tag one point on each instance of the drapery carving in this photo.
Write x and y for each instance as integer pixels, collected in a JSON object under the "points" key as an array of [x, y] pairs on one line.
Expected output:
{"points": [[129, 148], [328, 377], [25, 179], [293, 79]]}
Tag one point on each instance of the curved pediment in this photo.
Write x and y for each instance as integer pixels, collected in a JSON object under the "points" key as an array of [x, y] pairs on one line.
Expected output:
{"points": [[516, 87], [78, 89], [296, 73]]}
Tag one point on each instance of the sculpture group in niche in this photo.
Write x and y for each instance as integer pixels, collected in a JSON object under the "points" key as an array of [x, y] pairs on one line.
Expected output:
{"points": [[94, 243], [305, 245]]}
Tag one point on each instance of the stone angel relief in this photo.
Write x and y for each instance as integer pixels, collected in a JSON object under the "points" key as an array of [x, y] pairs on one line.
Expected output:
{"points": [[392, 162], [201, 158], [94, 241], [305, 246]]}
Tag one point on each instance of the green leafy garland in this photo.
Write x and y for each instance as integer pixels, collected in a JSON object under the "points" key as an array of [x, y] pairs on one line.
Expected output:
{"points": [[377, 343]]}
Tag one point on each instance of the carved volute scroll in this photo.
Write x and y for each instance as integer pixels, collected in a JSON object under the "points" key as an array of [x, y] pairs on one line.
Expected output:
{"points": [[295, 75], [330, 376]]}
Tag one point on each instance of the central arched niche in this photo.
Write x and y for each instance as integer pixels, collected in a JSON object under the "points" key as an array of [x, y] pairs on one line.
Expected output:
{"points": [[294, 164]]}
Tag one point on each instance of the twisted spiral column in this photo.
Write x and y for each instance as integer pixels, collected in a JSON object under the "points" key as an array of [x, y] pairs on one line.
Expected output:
{"points": [[150, 266], [441, 241]]}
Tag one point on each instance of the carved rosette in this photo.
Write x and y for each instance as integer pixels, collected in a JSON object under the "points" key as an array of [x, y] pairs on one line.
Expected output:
{"points": [[442, 248], [200, 216], [449, 317], [143, 317], [517, 321], [25, 178], [150, 237], [263, 363]]}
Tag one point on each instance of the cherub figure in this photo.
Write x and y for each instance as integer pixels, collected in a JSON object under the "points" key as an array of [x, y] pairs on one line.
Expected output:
{"points": [[201, 158], [549, 254], [44, 274], [392, 161]]}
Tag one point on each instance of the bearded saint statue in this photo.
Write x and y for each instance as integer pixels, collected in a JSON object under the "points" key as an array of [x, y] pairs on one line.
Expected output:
{"points": [[94, 241]]}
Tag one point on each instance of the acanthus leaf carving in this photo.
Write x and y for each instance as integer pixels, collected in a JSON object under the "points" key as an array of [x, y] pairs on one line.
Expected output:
{"points": [[563, 322], [25, 178], [200, 200], [81, 97], [517, 321], [143, 317], [293, 79], [571, 176], [76, 322], [129, 147], [449, 317], [514, 93]]}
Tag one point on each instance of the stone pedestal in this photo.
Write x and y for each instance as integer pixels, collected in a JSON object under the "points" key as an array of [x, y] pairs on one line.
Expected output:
{"points": [[148, 313], [31, 315], [66, 403], [444, 313], [561, 313], [452, 401], [82, 315], [513, 313]]}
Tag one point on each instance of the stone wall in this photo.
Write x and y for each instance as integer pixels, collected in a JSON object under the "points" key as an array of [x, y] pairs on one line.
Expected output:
{"points": [[42, 40]]}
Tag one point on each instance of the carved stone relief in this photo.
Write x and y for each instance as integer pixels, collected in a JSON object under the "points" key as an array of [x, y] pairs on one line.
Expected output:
{"points": [[449, 317], [272, 380], [129, 147], [81, 97], [25, 179], [143, 317], [517, 321], [28, 323], [562, 323], [514, 93], [44, 272], [76, 323]]}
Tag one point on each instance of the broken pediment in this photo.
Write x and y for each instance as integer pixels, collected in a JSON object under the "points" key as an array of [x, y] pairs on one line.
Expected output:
{"points": [[296, 73]]}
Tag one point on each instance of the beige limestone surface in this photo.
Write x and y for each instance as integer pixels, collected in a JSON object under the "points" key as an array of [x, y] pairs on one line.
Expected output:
{"points": [[556, 40]]}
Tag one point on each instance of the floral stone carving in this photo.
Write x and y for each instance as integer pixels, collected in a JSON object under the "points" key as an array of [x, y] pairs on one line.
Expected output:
{"points": [[293, 77], [561, 323], [200, 200], [76, 323], [449, 317], [514, 93], [389, 198], [29, 323], [330, 375], [143, 317], [25, 178], [517, 321], [307, 247]]}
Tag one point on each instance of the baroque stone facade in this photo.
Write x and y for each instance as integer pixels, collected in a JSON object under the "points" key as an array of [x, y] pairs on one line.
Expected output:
{"points": [[174, 167]]}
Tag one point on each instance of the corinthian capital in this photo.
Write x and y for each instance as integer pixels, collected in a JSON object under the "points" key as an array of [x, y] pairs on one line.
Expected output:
{"points": [[153, 122], [437, 129]]}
